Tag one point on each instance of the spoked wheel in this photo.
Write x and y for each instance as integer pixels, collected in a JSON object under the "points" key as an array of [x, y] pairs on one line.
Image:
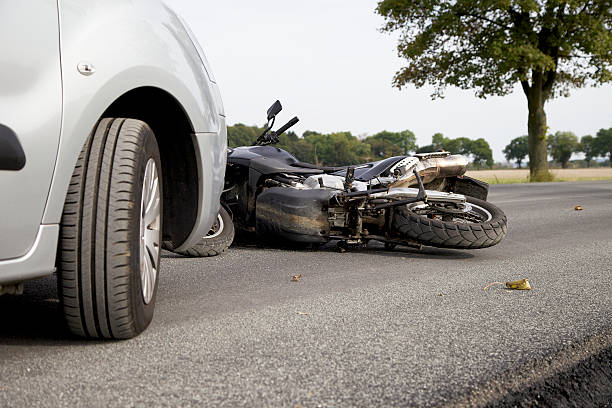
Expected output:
{"points": [[475, 224], [218, 239], [150, 218]]}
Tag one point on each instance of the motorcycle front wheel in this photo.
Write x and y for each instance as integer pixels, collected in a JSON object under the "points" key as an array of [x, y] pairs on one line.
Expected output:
{"points": [[218, 239], [479, 224]]}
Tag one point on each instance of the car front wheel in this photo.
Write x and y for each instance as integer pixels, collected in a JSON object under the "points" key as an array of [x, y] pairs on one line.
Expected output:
{"points": [[109, 249]]}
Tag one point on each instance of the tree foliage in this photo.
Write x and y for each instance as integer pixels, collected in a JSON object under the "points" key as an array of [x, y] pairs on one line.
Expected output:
{"points": [[342, 148], [517, 150], [481, 153], [336, 149], [387, 144], [562, 145], [603, 143], [588, 148], [548, 46], [490, 45], [242, 135], [479, 149]]}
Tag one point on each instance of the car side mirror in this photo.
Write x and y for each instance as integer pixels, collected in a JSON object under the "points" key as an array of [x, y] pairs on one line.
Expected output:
{"points": [[274, 110]]}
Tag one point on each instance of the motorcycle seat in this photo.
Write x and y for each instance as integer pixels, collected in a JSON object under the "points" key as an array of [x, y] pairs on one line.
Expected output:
{"points": [[267, 165]]}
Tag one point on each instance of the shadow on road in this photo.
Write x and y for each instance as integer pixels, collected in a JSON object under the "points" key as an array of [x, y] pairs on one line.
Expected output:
{"points": [[414, 253], [33, 318], [373, 248]]}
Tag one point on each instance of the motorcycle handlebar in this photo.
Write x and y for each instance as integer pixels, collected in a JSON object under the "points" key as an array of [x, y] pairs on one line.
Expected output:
{"points": [[286, 126]]}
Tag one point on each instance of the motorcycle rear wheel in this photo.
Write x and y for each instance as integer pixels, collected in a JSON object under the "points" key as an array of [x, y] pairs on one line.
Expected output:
{"points": [[482, 226]]}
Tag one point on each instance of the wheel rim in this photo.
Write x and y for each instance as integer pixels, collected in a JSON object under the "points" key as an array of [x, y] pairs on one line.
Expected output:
{"points": [[470, 213], [217, 228], [484, 213], [150, 216]]}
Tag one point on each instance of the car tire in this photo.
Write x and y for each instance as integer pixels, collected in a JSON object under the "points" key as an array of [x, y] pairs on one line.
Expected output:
{"points": [[109, 248]]}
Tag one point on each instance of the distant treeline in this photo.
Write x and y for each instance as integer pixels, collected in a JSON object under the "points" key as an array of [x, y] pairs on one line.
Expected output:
{"points": [[561, 146], [342, 148]]}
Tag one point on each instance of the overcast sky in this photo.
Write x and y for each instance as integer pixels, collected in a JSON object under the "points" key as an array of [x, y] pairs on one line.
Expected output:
{"points": [[329, 64]]}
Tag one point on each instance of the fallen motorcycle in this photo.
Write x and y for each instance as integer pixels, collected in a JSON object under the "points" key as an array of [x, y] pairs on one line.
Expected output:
{"points": [[416, 200]]}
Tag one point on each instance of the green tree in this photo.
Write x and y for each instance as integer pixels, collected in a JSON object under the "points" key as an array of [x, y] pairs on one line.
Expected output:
{"points": [[548, 46], [460, 145], [603, 143], [517, 150], [436, 144], [479, 149], [482, 155], [318, 142], [562, 145], [426, 149], [438, 140], [336, 149], [587, 146], [302, 150], [386, 144], [242, 135]]}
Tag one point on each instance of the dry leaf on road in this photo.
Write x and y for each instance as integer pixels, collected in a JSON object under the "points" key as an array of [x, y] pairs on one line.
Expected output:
{"points": [[521, 284]]}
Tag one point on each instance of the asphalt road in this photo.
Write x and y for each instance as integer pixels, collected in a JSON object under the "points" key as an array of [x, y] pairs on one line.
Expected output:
{"points": [[367, 327]]}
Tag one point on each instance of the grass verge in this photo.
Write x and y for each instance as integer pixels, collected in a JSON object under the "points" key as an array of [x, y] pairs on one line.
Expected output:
{"points": [[522, 175], [496, 180]]}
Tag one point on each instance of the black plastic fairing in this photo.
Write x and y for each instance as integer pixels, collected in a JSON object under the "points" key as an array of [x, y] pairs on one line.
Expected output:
{"points": [[369, 171], [242, 155], [12, 156], [268, 160]]}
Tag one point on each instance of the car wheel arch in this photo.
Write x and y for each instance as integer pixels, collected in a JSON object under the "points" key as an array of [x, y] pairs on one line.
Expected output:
{"points": [[174, 133]]}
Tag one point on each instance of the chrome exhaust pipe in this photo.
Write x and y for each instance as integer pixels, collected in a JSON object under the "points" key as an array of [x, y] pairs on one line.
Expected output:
{"points": [[429, 169]]}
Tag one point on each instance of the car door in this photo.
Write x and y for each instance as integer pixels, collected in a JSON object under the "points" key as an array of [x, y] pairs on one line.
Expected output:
{"points": [[30, 118]]}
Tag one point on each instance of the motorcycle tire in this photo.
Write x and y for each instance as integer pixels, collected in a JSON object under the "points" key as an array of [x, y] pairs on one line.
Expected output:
{"points": [[407, 223], [217, 241]]}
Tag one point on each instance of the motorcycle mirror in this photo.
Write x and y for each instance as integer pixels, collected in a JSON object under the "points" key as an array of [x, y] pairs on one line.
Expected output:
{"points": [[274, 110]]}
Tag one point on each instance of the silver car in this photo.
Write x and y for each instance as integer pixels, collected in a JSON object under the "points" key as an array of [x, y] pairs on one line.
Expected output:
{"points": [[112, 140]]}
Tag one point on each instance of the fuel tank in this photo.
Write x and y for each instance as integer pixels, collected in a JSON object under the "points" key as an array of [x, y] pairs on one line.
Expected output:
{"points": [[291, 214]]}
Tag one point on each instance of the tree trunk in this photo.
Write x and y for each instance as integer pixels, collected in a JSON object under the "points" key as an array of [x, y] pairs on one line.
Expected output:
{"points": [[610, 156], [538, 154]]}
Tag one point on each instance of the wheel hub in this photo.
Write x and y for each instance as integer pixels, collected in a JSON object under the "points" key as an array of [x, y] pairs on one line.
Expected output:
{"points": [[217, 228], [150, 216]]}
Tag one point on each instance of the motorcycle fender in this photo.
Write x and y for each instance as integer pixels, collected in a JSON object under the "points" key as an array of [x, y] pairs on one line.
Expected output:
{"points": [[289, 214], [468, 186]]}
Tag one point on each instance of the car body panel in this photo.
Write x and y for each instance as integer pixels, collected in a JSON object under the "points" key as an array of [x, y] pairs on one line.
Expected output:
{"points": [[38, 262], [153, 44], [31, 106], [129, 44], [211, 162]]}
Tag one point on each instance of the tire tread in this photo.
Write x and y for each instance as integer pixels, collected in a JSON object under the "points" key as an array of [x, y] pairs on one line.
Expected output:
{"points": [[94, 257], [445, 234]]}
